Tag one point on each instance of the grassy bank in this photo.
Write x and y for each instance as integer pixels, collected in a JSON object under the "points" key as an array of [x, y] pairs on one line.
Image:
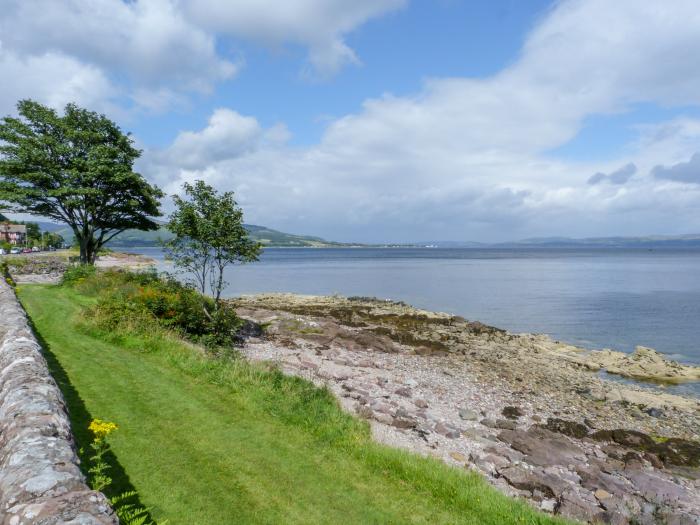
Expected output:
{"points": [[209, 441]]}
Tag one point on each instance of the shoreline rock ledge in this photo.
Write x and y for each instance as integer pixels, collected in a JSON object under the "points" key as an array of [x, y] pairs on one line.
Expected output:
{"points": [[526, 412], [40, 481]]}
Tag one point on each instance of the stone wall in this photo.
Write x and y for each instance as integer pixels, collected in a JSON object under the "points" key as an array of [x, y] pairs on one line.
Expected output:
{"points": [[40, 481]]}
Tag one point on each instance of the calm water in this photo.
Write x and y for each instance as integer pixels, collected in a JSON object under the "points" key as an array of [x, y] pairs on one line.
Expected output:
{"points": [[592, 298]]}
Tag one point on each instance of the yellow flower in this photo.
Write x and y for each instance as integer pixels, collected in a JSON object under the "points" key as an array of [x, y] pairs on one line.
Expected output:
{"points": [[102, 429]]}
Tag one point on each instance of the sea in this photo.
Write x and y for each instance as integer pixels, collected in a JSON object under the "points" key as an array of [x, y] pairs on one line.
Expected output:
{"points": [[594, 298]]}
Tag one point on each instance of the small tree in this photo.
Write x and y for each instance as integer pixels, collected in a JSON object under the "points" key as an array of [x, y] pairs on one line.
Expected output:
{"points": [[75, 169], [33, 233], [209, 236]]}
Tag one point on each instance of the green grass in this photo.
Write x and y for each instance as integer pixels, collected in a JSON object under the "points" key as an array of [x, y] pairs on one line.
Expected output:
{"points": [[208, 441]]}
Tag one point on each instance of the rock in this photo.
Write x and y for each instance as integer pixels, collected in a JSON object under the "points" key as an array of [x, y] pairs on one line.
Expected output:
{"points": [[468, 415], [657, 489], [542, 447], [383, 418], [40, 480], [403, 391], [654, 412], [380, 406], [488, 422], [404, 422], [601, 494], [308, 364], [548, 505], [592, 478], [580, 506], [568, 428], [531, 480], [672, 451], [506, 424], [364, 411], [458, 456], [446, 430], [643, 363], [511, 412], [420, 403]]}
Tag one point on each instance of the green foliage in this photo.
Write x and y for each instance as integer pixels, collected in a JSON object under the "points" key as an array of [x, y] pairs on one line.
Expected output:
{"points": [[209, 236], [5, 246], [77, 273], [129, 302], [128, 511], [76, 169], [5, 273]]}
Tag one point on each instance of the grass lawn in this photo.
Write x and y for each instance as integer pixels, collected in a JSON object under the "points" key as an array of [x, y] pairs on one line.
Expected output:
{"points": [[208, 441]]}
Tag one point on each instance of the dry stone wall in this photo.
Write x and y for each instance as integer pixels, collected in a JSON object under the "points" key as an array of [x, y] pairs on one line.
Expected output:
{"points": [[40, 481]]}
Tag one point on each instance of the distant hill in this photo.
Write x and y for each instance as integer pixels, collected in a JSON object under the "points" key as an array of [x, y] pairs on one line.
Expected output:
{"points": [[275, 238], [651, 241], [262, 234]]}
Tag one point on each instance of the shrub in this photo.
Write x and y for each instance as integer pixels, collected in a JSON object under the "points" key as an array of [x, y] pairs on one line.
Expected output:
{"points": [[77, 273], [5, 273], [134, 301]]}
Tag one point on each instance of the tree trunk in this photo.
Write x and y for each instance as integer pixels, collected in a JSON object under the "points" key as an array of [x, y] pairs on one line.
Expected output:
{"points": [[83, 250]]}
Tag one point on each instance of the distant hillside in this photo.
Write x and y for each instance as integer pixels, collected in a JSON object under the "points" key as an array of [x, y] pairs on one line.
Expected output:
{"points": [[267, 236], [651, 241]]}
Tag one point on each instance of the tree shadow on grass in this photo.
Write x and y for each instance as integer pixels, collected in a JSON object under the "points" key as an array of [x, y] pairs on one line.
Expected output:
{"points": [[80, 419]]}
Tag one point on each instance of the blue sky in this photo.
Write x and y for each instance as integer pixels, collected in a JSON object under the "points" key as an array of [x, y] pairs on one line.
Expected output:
{"points": [[398, 51], [390, 120]]}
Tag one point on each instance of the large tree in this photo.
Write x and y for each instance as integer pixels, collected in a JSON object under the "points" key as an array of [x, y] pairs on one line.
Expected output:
{"points": [[209, 236], [75, 168]]}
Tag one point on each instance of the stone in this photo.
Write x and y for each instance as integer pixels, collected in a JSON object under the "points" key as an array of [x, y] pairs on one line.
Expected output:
{"points": [[420, 403], [506, 424], [548, 505], [542, 447], [458, 456], [601, 494], [382, 417], [657, 489], [488, 422], [579, 506], [446, 430], [531, 480], [40, 480], [404, 422], [403, 391], [468, 415], [568, 428], [511, 412], [654, 412]]}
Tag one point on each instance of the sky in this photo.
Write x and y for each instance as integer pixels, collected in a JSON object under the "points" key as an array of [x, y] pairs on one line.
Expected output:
{"points": [[390, 120]]}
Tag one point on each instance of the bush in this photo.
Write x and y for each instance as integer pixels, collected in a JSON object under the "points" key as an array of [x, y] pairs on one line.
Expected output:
{"points": [[77, 273], [134, 301], [5, 273]]}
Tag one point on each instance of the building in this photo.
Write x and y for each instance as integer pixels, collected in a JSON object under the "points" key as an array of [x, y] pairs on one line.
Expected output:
{"points": [[15, 234]]}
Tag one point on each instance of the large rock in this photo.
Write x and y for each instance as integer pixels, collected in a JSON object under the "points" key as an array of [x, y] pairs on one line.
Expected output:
{"points": [[542, 447]]}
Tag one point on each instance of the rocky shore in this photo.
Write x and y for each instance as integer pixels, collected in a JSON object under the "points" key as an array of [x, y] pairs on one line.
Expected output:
{"points": [[531, 414]]}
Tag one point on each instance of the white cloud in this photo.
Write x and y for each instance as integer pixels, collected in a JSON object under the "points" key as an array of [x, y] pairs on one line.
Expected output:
{"points": [[228, 135], [319, 25], [153, 53], [150, 42], [52, 78], [468, 158]]}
